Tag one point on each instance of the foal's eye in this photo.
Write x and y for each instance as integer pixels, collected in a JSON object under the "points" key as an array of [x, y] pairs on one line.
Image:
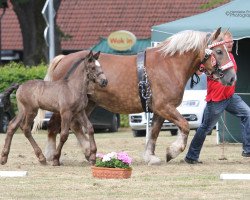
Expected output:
{"points": [[219, 51]]}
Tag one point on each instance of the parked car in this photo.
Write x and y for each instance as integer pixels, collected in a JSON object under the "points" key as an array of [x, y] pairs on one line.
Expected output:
{"points": [[191, 108], [5, 116], [100, 118]]}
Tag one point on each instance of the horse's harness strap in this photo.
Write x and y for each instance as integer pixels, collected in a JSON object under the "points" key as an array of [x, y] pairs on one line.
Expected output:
{"points": [[143, 84]]}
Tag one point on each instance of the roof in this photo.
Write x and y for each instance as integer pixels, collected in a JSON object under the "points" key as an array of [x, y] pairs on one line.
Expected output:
{"points": [[140, 45], [234, 15], [86, 21]]}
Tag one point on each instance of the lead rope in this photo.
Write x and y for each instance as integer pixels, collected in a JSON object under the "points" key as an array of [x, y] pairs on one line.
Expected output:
{"points": [[223, 157], [237, 47]]}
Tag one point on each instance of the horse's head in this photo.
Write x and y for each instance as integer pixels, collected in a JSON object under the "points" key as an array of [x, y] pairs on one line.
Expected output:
{"points": [[94, 69], [217, 62]]}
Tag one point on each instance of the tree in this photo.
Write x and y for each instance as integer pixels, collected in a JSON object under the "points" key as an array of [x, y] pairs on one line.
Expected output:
{"points": [[32, 26]]}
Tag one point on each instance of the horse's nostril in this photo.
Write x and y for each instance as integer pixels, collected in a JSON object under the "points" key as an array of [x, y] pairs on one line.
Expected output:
{"points": [[104, 82], [232, 80]]}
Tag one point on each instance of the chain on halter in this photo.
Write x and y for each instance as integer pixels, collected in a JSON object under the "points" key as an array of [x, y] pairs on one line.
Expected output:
{"points": [[145, 89]]}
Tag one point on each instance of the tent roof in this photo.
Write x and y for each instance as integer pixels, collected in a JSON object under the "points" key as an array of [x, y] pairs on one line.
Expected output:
{"points": [[234, 15]]}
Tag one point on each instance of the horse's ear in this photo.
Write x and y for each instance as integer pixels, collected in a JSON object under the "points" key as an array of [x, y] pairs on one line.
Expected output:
{"points": [[90, 55], [217, 33], [96, 56], [226, 31]]}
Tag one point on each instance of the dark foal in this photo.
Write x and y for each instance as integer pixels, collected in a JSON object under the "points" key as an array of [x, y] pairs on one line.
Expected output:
{"points": [[67, 96]]}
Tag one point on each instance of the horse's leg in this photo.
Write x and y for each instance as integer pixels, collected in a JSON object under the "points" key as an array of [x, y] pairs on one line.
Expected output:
{"points": [[93, 148], [176, 147], [90, 130], [77, 128], [26, 127], [179, 145], [149, 154], [54, 127], [66, 118], [12, 127]]}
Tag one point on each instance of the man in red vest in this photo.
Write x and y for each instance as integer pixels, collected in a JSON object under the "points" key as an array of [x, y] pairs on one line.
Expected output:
{"points": [[220, 98]]}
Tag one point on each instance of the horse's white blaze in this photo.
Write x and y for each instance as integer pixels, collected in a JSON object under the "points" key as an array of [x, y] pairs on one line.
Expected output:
{"points": [[97, 63]]}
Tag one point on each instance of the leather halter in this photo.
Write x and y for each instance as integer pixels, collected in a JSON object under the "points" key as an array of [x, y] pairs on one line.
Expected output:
{"points": [[208, 54]]}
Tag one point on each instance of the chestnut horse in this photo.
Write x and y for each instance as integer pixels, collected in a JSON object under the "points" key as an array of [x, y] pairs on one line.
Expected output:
{"points": [[168, 67], [67, 96]]}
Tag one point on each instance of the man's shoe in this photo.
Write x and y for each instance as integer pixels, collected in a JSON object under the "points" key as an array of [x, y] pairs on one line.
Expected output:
{"points": [[193, 162], [245, 154]]}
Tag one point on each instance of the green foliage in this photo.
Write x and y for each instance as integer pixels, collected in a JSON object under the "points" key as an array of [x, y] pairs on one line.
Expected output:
{"points": [[113, 163], [124, 122], [18, 73], [211, 4]]}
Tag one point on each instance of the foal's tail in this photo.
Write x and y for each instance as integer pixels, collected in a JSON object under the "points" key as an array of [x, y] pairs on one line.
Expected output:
{"points": [[38, 121], [6, 95]]}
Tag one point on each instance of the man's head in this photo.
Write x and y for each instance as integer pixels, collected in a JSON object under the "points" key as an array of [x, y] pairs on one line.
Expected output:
{"points": [[228, 38]]}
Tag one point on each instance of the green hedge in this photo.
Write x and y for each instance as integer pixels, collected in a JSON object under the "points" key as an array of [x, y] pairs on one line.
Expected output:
{"points": [[18, 73]]}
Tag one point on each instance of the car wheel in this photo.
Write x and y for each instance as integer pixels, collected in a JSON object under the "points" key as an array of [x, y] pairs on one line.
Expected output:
{"points": [[174, 132], [114, 124], [4, 123], [139, 133]]}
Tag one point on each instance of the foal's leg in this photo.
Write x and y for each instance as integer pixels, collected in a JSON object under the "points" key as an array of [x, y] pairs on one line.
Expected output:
{"points": [[86, 124], [12, 127], [66, 118], [27, 132], [77, 127], [54, 127], [93, 148], [149, 154]]}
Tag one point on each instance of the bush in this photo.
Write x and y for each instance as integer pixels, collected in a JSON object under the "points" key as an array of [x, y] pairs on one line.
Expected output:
{"points": [[124, 120], [19, 73]]}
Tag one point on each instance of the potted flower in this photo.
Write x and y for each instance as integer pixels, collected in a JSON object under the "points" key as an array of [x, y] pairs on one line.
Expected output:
{"points": [[112, 165]]}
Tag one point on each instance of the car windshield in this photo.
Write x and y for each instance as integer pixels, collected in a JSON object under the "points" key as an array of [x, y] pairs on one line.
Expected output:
{"points": [[202, 85]]}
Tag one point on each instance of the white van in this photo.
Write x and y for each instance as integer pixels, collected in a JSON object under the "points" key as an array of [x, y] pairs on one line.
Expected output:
{"points": [[191, 108]]}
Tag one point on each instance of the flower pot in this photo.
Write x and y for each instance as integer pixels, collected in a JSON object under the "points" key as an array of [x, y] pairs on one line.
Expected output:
{"points": [[111, 173]]}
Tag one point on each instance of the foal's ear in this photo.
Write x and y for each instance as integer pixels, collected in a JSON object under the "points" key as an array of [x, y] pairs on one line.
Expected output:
{"points": [[96, 56], [217, 33], [90, 55]]}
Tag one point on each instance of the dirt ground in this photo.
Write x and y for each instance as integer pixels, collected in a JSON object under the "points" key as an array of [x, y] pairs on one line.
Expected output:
{"points": [[173, 180]]}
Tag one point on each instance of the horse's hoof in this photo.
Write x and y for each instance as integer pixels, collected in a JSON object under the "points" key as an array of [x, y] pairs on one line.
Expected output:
{"points": [[56, 163], [152, 160], [168, 157], [43, 161], [3, 160], [92, 162]]}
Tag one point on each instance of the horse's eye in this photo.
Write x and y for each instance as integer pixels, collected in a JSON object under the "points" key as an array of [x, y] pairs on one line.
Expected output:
{"points": [[219, 52]]}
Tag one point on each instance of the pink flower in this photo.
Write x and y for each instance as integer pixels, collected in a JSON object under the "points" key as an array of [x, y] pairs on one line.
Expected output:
{"points": [[123, 156]]}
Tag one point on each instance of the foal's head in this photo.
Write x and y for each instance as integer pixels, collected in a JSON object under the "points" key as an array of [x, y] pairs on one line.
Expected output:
{"points": [[217, 62], [94, 69]]}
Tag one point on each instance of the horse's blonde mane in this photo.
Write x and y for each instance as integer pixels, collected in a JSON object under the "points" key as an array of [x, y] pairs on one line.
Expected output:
{"points": [[183, 42]]}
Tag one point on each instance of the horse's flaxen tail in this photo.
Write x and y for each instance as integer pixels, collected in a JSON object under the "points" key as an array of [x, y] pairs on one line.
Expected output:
{"points": [[6, 95], [38, 121]]}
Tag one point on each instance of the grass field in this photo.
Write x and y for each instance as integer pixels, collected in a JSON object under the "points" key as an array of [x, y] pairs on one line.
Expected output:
{"points": [[173, 180]]}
